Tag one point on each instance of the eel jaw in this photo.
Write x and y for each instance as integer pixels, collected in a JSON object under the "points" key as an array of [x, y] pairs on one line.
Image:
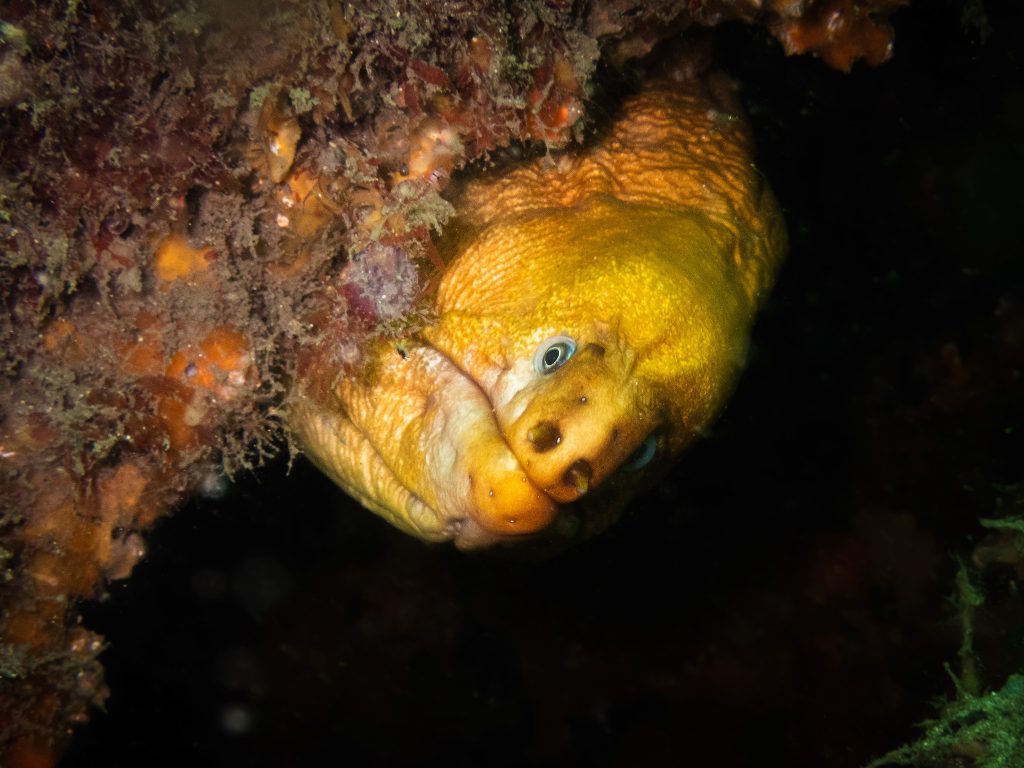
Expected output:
{"points": [[501, 501], [417, 442]]}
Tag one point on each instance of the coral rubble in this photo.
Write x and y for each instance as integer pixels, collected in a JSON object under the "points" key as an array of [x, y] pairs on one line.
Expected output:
{"points": [[192, 196]]}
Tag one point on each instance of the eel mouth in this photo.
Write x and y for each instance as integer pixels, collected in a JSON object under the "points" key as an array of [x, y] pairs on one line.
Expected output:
{"points": [[568, 435], [497, 498], [421, 443]]}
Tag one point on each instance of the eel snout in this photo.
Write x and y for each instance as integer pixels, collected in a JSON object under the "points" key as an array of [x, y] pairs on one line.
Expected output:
{"points": [[579, 427]]}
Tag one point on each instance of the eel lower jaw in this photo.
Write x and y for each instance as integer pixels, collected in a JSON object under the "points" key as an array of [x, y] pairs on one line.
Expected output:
{"points": [[466, 533], [504, 502]]}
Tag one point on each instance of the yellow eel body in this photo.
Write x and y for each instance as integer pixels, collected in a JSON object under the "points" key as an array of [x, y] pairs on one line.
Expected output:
{"points": [[593, 319]]}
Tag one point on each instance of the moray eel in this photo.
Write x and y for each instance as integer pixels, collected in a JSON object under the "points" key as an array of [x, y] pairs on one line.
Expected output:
{"points": [[594, 317]]}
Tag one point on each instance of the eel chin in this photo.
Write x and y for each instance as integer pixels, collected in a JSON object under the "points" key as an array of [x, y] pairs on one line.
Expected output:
{"points": [[593, 318]]}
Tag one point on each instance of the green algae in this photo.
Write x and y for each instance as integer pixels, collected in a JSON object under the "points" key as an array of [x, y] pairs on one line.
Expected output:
{"points": [[979, 729], [988, 730]]}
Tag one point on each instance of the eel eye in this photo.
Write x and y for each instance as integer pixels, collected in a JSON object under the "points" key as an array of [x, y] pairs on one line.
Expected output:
{"points": [[642, 456], [553, 353]]}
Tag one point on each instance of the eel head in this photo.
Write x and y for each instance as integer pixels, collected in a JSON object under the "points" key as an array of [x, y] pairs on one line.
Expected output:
{"points": [[592, 321]]}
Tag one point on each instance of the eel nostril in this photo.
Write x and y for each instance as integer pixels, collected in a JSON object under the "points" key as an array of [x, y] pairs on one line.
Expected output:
{"points": [[578, 475], [544, 436]]}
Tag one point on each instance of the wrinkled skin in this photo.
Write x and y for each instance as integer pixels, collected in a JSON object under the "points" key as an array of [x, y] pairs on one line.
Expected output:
{"points": [[650, 251]]}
